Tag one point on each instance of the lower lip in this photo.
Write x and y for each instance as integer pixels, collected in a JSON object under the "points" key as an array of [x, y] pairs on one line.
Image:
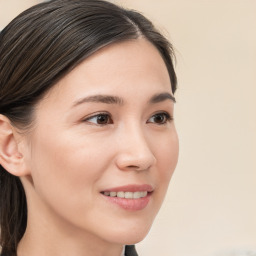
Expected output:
{"points": [[130, 204]]}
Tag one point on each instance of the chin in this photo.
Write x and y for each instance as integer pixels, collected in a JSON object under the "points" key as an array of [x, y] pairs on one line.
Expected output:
{"points": [[130, 234], [134, 239]]}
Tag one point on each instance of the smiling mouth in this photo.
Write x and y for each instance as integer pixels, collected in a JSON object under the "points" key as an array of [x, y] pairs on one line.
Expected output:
{"points": [[130, 197], [127, 195]]}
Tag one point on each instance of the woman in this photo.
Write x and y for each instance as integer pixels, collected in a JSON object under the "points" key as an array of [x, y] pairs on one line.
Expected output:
{"points": [[87, 139]]}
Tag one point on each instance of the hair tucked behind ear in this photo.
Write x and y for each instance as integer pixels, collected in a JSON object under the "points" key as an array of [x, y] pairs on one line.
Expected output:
{"points": [[37, 49], [13, 212]]}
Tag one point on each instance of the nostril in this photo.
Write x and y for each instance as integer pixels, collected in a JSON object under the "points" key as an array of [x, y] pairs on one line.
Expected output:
{"points": [[137, 167], [133, 166]]}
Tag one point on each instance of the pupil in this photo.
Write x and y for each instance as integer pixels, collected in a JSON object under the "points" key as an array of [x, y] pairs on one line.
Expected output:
{"points": [[159, 119], [102, 119]]}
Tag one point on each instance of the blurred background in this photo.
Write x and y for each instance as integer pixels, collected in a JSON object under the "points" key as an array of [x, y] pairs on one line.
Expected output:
{"points": [[210, 208]]}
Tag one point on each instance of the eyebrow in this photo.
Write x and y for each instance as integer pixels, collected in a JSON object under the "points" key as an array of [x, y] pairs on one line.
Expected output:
{"points": [[162, 97], [109, 99], [99, 98]]}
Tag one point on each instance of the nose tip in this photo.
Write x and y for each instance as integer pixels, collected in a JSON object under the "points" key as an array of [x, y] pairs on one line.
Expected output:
{"points": [[135, 162], [138, 157]]}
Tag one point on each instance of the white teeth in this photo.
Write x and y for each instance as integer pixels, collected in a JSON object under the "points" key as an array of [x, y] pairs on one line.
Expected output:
{"points": [[112, 194], [137, 195], [140, 194], [144, 193], [129, 195], [120, 194]]}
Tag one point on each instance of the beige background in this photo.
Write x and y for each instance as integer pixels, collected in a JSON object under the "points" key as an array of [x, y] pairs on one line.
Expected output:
{"points": [[210, 208]]}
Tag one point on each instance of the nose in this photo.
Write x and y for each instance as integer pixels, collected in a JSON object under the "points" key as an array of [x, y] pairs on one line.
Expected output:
{"points": [[134, 152]]}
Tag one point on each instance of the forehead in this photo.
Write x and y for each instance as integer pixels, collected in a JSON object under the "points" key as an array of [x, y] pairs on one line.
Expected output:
{"points": [[125, 68]]}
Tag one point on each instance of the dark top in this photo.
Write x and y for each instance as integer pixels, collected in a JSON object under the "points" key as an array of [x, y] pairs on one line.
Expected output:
{"points": [[129, 251]]}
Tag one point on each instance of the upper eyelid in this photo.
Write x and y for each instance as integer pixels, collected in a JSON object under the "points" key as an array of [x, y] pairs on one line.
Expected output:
{"points": [[163, 112], [95, 115], [88, 119], [169, 116]]}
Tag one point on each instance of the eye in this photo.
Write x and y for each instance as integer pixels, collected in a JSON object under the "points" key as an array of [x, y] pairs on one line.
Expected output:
{"points": [[160, 118], [99, 119]]}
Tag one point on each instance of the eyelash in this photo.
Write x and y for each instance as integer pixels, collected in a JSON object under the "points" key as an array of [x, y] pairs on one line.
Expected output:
{"points": [[167, 118], [88, 119]]}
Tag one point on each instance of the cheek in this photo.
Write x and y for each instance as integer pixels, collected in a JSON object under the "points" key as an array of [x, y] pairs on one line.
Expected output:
{"points": [[66, 168], [167, 158], [167, 152]]}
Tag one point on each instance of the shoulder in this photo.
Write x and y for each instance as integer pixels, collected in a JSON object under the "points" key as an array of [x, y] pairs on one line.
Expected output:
{"points": [[130, 250]]}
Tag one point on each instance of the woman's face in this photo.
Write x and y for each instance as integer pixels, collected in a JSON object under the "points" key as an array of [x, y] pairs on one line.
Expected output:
{"points": [[103, 131]]}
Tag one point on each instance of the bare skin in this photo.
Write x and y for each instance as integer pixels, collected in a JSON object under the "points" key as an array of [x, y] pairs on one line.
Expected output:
{"points": [[107, 124]]}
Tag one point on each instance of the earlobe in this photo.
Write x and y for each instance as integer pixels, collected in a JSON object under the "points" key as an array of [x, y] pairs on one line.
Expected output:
{"points": [[10, 158]]}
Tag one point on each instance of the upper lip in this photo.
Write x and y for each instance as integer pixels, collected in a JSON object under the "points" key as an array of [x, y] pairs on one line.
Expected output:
{"points": [[131, 188]]}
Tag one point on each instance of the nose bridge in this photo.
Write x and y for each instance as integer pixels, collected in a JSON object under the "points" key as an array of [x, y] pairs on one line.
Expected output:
{"points": [[134, 148]]}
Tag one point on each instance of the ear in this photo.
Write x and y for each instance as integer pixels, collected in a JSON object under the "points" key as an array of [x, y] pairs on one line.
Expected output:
{"points": [[10, 158]]}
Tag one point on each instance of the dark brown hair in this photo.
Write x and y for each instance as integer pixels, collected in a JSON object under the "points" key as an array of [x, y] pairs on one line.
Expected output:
{"points": [[37, 49]]}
